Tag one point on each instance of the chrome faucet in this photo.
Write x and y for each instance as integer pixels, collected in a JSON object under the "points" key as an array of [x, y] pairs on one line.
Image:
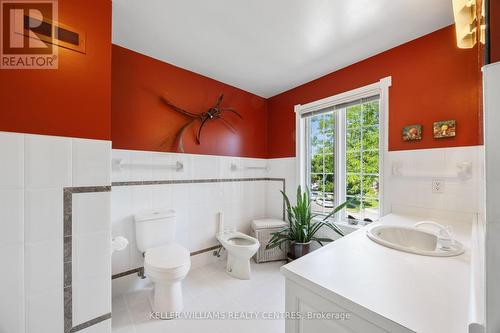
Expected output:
{"points": [[445, 238]]}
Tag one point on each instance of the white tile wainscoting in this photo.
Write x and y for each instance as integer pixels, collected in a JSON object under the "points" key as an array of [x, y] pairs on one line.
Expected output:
{"points": [[197, 205], [34, 171], [205, 186], [459, 195]]}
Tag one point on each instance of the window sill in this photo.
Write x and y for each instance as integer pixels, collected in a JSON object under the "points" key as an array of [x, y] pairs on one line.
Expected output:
{"points": [[344, 223]]}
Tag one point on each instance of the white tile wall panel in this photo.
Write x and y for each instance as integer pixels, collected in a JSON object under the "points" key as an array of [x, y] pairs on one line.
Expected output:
{"points": [[180, 196], [121, 211], [43, 215], [44, 312], [142, 198], [91, 213], [11, 216], [91, 298], [91, 256], [43, 266], [187, 171], [274, 200], [122, 174], [91, 162], [159, 171], [11, 161], [34, 170], [12, 258], [12, 288], [161, 196], [144, 160], [134, 256], [206, 166], [12, 294], [47, 161], [120, 261]]}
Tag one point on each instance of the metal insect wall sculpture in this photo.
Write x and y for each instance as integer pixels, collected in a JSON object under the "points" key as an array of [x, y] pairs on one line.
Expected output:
{"points": [[213, 113]]}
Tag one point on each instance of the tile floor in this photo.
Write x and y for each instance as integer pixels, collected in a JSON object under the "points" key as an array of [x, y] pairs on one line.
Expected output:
{"points": [[209, 288]]}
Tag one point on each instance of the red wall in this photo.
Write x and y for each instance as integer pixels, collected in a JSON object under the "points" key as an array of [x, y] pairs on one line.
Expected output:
{"points": [[142, 122], [495, 30], [73, 100], [432, 80]]}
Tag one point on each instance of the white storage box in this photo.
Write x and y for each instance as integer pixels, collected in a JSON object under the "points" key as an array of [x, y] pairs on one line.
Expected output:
{"points": [[262, 230]]}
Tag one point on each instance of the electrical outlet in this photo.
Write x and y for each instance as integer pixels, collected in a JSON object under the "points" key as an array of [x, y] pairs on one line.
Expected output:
{"points": [[438, 186]]}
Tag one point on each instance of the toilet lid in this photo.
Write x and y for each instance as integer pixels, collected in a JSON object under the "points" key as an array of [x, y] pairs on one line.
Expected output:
{"points": [[167, 256]]}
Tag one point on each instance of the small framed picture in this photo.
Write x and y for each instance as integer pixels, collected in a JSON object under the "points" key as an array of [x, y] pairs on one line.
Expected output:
{"points": [[412, 133], [444, 129]]}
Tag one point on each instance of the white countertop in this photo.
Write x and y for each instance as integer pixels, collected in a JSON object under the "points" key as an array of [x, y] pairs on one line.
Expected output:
{"points": [[423, 294]]}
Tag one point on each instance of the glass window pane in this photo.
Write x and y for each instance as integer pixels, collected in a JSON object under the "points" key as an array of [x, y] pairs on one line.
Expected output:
{"points": [[370, 113], [370, 161], [329, 185], [371, 209], [353, 185], [353, 162], [353, 139], [328, 123], [353, 116], [329, 162], [353, 206], [370, 186], [316, 138], [328, 202], [316, 182], [321, 160], [327, 144], [317, 203], [317, 163], [370, 137]]}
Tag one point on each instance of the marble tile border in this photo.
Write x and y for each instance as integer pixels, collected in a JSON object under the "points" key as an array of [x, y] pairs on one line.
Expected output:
{"points": [[68, 257], [192, 181]]}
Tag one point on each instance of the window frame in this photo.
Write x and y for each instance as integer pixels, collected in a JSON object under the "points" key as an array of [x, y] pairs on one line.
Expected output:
{"points": [[380, 88]]}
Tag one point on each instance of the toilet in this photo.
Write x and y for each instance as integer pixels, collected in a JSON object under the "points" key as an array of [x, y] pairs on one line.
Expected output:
{"points": [[165, 262], [240, 248]]}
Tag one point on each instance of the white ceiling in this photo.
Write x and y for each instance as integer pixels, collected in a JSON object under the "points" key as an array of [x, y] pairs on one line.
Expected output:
{"points": [[269, 46]]}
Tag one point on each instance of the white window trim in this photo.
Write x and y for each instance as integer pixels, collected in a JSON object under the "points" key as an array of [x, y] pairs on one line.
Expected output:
{"points": [[379, 88]]}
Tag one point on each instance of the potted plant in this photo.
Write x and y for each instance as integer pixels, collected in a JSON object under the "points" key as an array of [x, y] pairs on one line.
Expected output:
{"points": [[302, 226]]}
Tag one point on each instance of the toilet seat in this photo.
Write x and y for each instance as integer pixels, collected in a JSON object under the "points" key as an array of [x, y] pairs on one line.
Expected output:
{"points": [[237, 238], [167, 258]]}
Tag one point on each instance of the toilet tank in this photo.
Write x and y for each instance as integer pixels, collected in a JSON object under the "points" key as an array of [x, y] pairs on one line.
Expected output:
{"points": [[154, 228]]}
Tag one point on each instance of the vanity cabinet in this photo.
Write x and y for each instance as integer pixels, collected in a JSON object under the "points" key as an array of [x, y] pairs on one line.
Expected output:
{"points": [[331, 315]]}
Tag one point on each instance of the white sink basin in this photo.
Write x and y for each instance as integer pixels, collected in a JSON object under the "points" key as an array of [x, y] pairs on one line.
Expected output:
{"points": [[413, 240]]}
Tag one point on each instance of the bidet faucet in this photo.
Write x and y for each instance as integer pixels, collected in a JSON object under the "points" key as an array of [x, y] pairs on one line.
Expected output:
{"points": [[444, 236]]}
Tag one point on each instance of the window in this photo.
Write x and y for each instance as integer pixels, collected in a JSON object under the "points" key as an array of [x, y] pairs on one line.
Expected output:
{"points": [[341, 152]]}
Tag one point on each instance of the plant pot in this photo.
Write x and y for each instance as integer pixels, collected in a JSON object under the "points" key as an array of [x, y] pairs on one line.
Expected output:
{"points": [[300, 249]]}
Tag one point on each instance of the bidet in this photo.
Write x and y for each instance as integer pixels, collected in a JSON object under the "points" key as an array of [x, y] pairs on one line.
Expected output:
{"points": [[240, 248]]}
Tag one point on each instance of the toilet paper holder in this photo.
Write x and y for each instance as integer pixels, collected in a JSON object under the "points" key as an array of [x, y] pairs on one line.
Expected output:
{"points": [[118, 243]]}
